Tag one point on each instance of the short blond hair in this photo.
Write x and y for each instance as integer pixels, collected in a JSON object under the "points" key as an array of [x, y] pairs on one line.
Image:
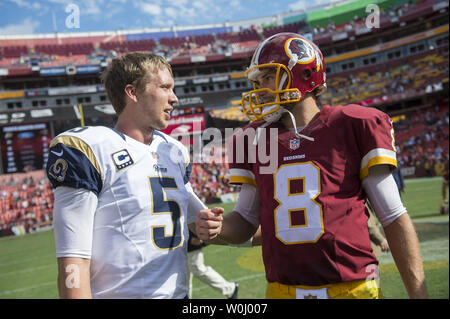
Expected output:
{"points": [[136, 69]]}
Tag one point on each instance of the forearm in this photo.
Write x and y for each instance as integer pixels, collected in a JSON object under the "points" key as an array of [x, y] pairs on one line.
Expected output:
{"points": [[74, 278], [215, 241], [405, 249], [235, 229]]}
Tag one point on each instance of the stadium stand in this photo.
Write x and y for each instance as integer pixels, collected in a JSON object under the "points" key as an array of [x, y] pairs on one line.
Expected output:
{"points": [[209, 181], [423, 138], [26, 200], [413, 73]]}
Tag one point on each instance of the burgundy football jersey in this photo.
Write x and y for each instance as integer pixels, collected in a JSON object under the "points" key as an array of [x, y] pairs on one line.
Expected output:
{"points": [[312, 215]]}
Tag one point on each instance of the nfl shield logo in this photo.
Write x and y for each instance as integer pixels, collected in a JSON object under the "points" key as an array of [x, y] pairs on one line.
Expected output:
{"points": [[294, 144]]}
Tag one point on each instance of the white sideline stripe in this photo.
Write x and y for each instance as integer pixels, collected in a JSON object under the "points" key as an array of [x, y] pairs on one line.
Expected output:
{"points": [[263, 274], [422, 179], [21, 261], [7, 292], [27, 270]]}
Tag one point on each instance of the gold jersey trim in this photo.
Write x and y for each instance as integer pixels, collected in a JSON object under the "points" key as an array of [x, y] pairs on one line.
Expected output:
{"points": [[79, 144]]}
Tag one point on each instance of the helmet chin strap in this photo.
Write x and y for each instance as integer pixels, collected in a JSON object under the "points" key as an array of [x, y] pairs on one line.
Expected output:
{"points": [[295, 127], [276, 118], [292, 62]]}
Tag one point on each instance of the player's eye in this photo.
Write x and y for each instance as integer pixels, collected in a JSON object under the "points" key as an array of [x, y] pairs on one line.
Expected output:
{"points": [[268, 77]]}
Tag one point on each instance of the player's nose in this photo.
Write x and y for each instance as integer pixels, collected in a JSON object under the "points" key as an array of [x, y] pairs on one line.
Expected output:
{"points": [[173, 98]]}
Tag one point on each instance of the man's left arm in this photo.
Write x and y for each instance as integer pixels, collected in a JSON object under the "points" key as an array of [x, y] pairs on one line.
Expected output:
{"points": [[381, 190], [404, 245]]}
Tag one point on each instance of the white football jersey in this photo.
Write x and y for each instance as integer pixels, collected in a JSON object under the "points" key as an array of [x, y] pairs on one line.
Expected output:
{"points": [[140, 223]]}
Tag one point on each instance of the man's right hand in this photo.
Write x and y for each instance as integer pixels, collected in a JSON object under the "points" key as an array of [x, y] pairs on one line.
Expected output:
{"points": [[209, 223]]}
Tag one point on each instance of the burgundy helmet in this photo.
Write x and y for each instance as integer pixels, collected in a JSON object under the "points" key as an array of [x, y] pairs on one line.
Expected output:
{"points": [[299, 69]]}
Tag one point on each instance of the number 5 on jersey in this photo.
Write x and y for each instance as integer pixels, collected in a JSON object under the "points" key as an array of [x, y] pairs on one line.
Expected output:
{"points": [[162, 236], [298, 217]]}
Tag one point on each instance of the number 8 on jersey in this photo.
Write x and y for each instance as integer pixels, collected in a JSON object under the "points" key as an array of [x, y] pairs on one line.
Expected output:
{"points": [[298, 217]]}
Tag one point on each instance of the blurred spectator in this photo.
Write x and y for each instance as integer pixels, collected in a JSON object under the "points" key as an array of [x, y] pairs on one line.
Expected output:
{"points": [[25, 200], [209, 181], [444, 205], [398, 177], [377, 240]]}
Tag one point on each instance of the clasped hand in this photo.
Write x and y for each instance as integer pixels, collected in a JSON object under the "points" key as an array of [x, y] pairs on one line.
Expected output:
{"points": [[209, 223]]}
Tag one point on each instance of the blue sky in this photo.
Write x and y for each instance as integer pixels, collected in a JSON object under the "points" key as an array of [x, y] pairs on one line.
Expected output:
{"points": [[33, 16]]}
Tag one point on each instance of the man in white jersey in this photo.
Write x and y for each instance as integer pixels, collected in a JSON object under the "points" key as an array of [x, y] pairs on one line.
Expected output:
{"points": [[123, 200]]}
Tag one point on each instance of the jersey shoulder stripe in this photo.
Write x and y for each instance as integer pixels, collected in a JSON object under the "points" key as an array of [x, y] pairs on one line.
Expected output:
{"points": [[69, 166], [74, 159], [377, 156], [77, 144], [241, 176]]}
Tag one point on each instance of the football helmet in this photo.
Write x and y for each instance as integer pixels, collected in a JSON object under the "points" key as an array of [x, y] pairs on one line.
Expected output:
{"points": [[299, 68]]}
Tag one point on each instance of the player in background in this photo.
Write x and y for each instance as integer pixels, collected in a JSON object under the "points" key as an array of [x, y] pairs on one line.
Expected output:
{"points": [[311, 207], [207, 274], [123, 200], [444, 205]]}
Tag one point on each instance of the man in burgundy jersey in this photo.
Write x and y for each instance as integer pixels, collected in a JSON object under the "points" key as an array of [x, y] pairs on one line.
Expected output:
{"points": [[311, 204]]}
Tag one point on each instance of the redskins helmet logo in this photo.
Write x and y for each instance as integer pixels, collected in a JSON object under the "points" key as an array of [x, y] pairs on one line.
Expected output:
{"points": [[301, 48]]}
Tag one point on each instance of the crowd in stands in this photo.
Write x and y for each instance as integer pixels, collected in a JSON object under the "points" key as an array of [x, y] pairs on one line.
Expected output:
{"points": [[210, 181], [26, 200], [103, 48], [90, 53], [415, 75], [360, 22], [422, 137], [420, 74]]}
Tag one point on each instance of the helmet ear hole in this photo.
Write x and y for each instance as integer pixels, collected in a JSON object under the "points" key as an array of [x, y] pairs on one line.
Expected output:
{"points": [[306, 74]]}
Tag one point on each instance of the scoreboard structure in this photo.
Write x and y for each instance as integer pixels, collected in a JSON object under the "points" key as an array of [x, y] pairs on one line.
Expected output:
{"points": [[24, 147]]}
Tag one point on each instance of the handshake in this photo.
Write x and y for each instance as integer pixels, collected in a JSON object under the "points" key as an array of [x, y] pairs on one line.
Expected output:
{"points": [[209, 223]]}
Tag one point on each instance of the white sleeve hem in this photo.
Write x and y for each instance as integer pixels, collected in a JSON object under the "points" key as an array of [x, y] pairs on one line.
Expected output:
{"points": [[73, 221], [73, 255], [247, 204]]}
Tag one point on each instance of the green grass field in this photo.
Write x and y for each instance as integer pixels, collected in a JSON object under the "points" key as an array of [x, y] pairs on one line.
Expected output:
{"points": [[28, 264]]}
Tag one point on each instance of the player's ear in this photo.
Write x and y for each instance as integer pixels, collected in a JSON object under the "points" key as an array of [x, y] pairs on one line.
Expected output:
{"points": [[130, 91]]}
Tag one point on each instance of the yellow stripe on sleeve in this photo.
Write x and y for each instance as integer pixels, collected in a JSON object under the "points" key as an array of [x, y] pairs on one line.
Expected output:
{"points": [[242, 180], [378, 160]]}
